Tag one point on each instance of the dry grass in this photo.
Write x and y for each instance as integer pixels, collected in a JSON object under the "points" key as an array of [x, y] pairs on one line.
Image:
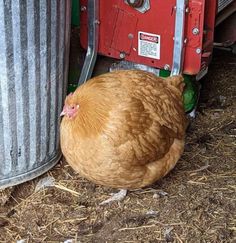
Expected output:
{"points": [[194, 203]]}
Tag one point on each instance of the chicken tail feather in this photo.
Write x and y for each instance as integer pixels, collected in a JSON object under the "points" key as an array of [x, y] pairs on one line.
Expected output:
{"points": [[177, 81]]}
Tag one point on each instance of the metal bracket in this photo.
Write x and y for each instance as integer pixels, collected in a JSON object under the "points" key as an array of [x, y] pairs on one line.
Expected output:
{"points": [[91, 55], [178, 38]]}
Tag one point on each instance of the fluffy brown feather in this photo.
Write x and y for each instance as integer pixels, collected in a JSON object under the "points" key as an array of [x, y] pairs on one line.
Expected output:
{"points": [[127, 130]]}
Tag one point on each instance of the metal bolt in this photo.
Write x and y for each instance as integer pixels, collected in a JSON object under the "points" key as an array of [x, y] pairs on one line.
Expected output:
{"points": [[122, 55], [167, 67], [195, 31], [83, 8], [130, 36], [187, 10], [135, 3], [185, 40], [198, 50]]}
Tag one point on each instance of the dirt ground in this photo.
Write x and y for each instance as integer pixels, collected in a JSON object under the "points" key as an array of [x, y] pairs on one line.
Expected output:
{"points": [[194, 203]]}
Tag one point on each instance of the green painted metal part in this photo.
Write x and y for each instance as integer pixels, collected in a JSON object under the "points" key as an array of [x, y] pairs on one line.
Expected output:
{"points": [[72, 80], [190, 95], [75, 10], [74, 71]]}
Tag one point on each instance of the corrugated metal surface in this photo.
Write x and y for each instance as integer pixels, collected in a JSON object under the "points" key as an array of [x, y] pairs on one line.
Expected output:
{"points": [[223, 3], [34, 47]]}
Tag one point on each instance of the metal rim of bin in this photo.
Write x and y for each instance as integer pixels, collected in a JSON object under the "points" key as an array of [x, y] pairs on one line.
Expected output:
{"points": [[30, 175]]}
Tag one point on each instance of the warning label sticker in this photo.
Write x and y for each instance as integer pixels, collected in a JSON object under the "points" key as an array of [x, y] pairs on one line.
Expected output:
{"points": [[148, 45]]}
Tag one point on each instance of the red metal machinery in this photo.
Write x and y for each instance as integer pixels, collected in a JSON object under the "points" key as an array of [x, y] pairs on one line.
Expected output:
{"points": [[174, 35]]}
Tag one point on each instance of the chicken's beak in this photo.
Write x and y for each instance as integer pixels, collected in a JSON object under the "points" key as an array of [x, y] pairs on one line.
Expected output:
{"points": [[62, 113]]}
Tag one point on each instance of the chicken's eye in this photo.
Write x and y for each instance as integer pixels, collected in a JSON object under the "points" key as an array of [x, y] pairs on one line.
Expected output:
{"points": [[72, 107]]}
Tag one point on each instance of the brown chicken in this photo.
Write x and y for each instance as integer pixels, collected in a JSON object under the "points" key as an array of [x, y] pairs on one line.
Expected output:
{"points": [[124, 129]]}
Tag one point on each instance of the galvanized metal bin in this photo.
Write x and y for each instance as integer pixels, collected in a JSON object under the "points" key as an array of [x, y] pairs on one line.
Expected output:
{"points": [[223, 4], [34, 49]]}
